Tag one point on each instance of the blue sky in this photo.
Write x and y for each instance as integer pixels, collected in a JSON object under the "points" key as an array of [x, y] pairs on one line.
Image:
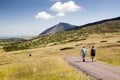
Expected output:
{"points": [[31, 17]]}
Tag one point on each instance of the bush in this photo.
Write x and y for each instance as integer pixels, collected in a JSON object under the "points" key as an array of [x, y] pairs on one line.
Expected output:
{"points": [[66, 48], [15, 47], [118, 41], [103, 41]]}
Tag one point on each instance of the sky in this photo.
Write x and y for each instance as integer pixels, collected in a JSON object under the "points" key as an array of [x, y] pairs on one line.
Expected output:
{"points": [[31, 17]]}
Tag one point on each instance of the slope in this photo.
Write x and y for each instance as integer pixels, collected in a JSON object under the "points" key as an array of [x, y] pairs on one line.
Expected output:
{"points": [[110, 26]]}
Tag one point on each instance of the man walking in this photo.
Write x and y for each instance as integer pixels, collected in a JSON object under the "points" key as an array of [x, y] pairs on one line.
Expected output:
{"points": [[83, 51]]}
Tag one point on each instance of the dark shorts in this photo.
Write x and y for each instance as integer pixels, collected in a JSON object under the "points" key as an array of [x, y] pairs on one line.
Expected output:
{"points": [[92, 54], [83, 55]]}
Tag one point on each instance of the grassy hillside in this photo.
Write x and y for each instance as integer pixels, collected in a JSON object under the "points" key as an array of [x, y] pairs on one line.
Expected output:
{"points": [[106, 27], [47, 63], [64, 37], [44, 64]]}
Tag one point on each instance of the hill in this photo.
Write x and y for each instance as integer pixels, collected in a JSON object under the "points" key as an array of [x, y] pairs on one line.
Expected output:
{"points": [[100, 22], [58, 28], [76, 34], [66, 26], [97, 23]]}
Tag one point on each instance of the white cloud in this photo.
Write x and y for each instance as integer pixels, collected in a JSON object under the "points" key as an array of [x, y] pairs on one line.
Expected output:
{"points": [[62, 8], [43, 15], [60, 14]]}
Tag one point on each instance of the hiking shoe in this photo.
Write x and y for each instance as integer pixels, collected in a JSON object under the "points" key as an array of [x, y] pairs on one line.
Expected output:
{"points": [[83, 60]]}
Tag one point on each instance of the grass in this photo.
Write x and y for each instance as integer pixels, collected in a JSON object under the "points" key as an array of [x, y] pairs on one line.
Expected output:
{"points": [[47, 63], [109, 55], [44, 64]]}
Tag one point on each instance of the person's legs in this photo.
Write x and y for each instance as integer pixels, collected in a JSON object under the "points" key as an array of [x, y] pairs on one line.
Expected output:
{"points": [[83, 58], [92, 58]]}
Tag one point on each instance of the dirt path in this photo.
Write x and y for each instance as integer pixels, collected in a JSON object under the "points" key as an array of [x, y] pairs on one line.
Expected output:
{"points": [[97, 70]]}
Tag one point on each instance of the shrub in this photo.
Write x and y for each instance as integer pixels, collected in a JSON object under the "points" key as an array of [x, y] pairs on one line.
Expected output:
{"points": [[103, 41], [66, 48], [118, 41]]}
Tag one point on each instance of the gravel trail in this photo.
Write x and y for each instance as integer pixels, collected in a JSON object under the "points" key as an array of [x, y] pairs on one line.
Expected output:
{"points": [[97, 70]]}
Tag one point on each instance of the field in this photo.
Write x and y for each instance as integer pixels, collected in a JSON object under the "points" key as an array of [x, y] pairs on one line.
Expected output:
{"points": [[47, 63], [44, 64]]}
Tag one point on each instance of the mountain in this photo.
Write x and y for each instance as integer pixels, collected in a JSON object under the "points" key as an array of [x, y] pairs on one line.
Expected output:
{"points": [[58, 28], [66, 26]]}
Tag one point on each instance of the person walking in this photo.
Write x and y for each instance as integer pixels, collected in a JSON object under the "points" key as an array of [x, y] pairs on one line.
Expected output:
{"points": [[93, 53], [83, 51]]}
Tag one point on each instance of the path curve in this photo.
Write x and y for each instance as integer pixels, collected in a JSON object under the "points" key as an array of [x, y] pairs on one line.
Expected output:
{"points": [[97, 70]]}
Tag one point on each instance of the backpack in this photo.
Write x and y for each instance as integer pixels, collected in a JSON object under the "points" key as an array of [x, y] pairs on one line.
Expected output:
{"points": [[93, 51]]}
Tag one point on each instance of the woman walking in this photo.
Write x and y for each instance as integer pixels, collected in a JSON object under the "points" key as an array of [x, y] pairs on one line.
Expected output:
{"points": [[93, 53]]}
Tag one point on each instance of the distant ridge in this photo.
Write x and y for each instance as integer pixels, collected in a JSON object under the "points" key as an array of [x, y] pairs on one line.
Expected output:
{"points": [[58, 28], [98, 22], [66, 26]]}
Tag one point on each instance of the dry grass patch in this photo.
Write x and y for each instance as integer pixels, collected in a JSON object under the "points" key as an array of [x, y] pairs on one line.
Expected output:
{"points": [[47, 68], [42, 65], [47, 63]]}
